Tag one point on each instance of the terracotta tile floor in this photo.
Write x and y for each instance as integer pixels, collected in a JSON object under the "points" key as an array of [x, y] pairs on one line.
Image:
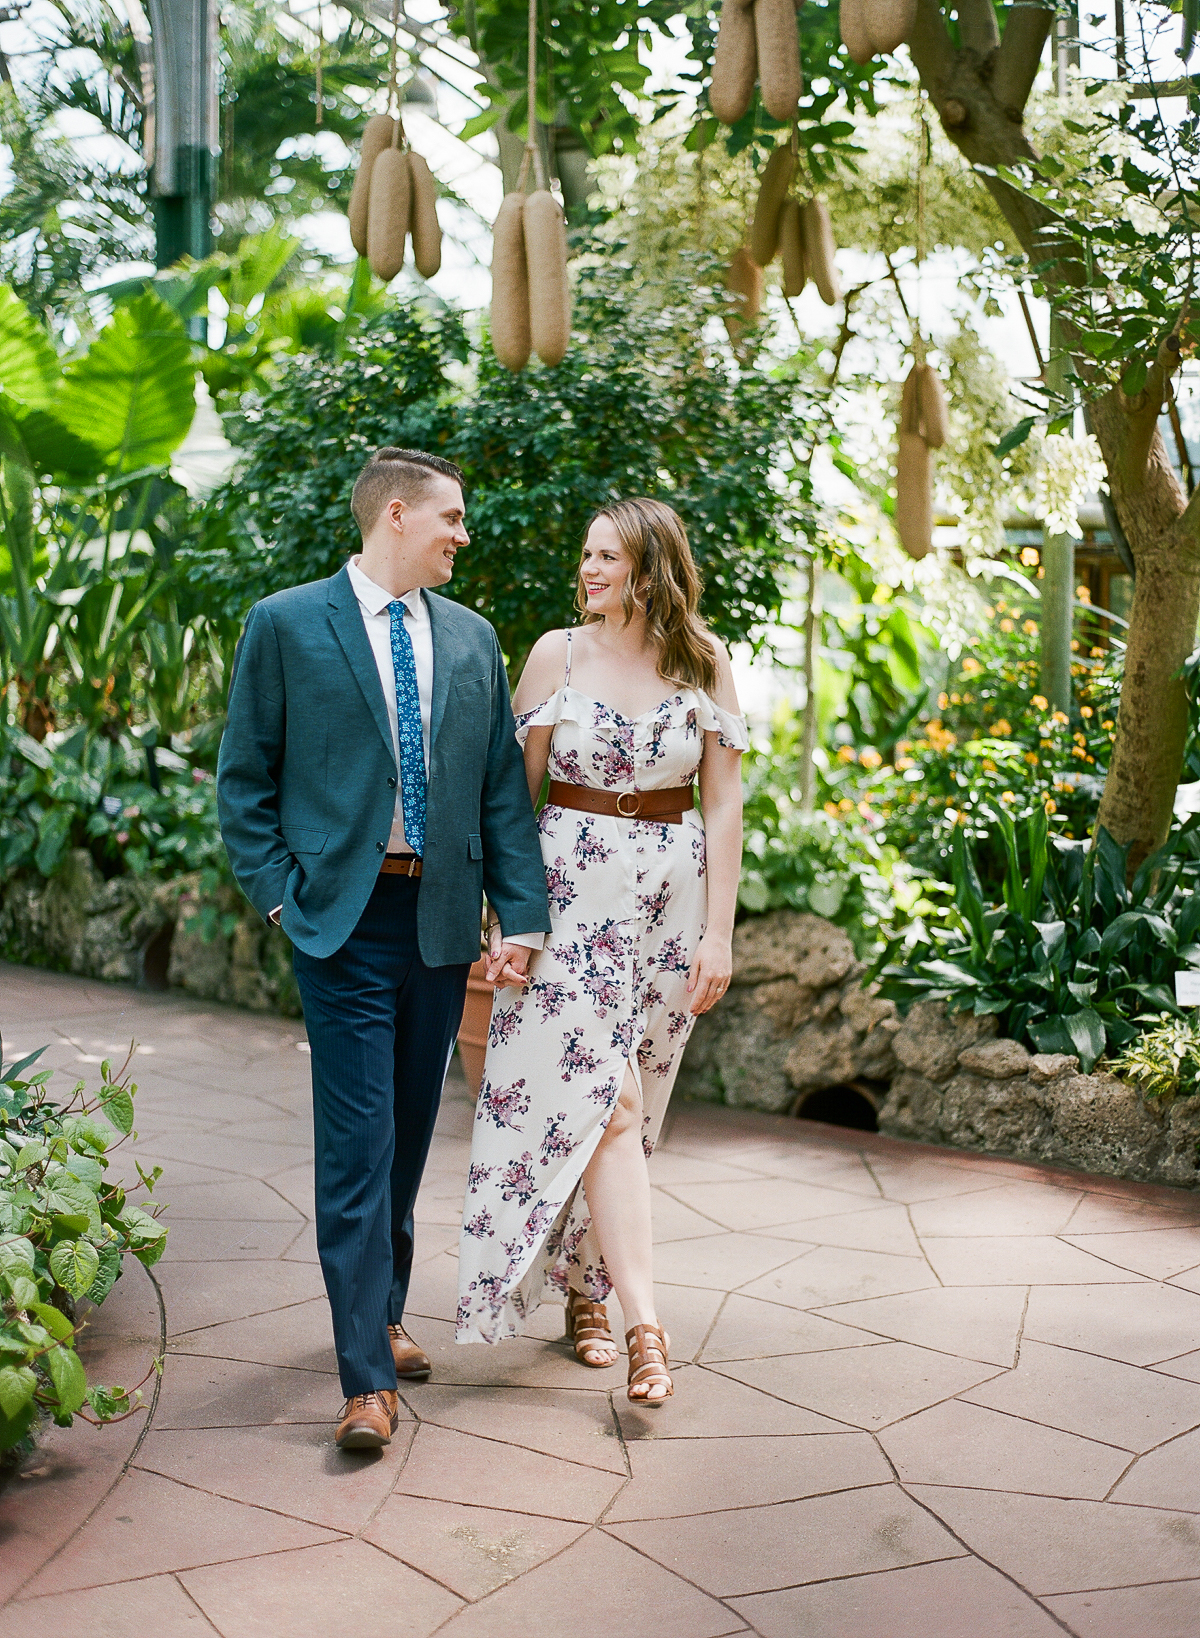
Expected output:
{"points": [[919, 1394]]}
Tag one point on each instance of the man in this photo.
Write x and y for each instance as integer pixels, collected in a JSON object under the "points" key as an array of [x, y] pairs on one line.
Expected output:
{"points": [[370, 789]]}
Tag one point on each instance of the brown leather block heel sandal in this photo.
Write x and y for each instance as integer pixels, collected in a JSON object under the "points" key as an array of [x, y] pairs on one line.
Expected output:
{"points": [[647, 1345], [587, 1328]]}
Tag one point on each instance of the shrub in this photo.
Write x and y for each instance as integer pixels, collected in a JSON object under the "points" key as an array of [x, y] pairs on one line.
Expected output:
{"points": [[63, 1234], [994, 747], [95, 795], [1165, 1061], [1073, 960], [641, 405], [807, 861]]}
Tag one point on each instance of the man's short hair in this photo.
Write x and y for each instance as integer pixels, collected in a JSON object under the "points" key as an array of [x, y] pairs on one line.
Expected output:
{"points": [[393, 474]]}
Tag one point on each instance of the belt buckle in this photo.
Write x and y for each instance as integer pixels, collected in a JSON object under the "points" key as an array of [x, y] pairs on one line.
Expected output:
{"points": [[635, 797]]}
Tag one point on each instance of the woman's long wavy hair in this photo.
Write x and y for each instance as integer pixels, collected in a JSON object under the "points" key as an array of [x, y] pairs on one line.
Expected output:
{"points": [[665, 582]]}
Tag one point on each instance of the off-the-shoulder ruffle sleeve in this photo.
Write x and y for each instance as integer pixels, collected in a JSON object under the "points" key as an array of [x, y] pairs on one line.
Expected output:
{"points": [[558, 708], [730, 730]]}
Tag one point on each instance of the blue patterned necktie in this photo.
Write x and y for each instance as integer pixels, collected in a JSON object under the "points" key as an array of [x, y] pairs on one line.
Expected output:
{"points": [[412, 741]]}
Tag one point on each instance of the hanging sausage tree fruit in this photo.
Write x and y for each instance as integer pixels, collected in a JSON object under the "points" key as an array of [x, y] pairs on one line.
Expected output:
{"points": [[531, 288], [394, 197]]}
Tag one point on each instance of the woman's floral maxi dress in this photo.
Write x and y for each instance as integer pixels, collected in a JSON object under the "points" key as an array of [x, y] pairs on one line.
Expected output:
{"points": [[628, 900]]}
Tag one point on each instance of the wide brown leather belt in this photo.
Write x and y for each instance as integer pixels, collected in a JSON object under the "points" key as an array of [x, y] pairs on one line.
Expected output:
{"points": [[664, 807], [400, 864]]}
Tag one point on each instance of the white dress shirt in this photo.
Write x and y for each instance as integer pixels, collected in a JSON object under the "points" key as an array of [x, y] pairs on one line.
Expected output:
{"points": [[375, 606]]}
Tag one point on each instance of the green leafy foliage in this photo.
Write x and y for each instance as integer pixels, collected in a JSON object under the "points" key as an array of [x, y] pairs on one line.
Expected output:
{"points": [[641, 404], [1072, 959], [63, 1233], [810, 862], [95, 795], [130, 395], [988, 743], [1164, 1061]]}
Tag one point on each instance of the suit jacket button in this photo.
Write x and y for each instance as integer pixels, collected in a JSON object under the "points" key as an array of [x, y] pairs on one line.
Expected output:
{"points": [[379, 848], [391, 783]]}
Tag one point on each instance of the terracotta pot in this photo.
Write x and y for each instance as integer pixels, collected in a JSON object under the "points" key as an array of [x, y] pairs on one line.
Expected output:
{"points": [[473, 1031]]}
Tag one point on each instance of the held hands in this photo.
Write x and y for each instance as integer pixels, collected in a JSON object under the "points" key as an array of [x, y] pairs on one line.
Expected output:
{"points": [[710, 972], [507, 964]]}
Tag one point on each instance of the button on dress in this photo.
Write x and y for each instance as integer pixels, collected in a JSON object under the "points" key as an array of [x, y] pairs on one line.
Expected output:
{"points": [[628, 902]]}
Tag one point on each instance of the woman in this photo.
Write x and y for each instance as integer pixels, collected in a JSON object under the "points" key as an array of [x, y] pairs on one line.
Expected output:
{"points": [[581, 1062]]}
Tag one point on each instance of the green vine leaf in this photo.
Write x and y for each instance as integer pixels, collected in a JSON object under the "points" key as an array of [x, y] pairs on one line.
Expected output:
{"points": [[75, 1265], [117, 1105]]}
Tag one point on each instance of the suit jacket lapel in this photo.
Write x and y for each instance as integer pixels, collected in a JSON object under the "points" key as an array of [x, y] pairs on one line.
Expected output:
{"points": [[345, 616], [444, 654]]}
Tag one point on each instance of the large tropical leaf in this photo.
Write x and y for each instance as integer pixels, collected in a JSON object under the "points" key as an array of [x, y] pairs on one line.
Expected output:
{"points": [[44, 444], [29, 370], [133, 393]]}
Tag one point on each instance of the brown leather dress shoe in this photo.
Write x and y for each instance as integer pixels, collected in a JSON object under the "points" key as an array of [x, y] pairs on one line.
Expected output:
{"points": [[412, 1365], [369, 1420]]}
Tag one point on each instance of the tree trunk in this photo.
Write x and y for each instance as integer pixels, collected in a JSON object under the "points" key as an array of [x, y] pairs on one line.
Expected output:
{"points": [[980, 97]]}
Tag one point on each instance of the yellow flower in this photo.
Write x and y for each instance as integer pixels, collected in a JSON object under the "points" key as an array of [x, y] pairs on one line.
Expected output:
{"points": [[1083, 594], [1086, 712], [1080, 739], [1007, 796], [864, 809], [1006, 625], [903, 762], [988, 765], [1030, 628], [831, 809], [1032, 758], [846, 754], [903, 747], [1039, 702], [1096, 653], [943, 701], [968, 699], [1060, 716], [1108, 726], [846, 805], [971, 667], [870, 758], [956, 699], [1001, 728], [1079, 750], [1050, 805], [1046, 744], [1074, 645]]}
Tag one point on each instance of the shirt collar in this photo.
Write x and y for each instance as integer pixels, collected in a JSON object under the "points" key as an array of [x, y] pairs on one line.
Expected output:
{"points": [[374, 599]]}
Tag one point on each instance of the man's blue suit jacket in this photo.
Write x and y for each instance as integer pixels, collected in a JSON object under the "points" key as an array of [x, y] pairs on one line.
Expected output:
{"points": [[306, 780]]}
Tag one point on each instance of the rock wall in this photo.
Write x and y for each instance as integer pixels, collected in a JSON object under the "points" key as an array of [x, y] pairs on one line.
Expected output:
{"points": [[795, 1019], [960, 1085], [151, 933]]}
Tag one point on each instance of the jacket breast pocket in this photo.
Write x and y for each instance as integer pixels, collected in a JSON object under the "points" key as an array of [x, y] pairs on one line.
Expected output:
{"points": [[473, 689], [475, 846], [300, 839]]}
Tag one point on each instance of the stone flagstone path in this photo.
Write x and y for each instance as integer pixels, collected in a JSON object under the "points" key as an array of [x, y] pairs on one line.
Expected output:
{"points": [[918, 1394]]}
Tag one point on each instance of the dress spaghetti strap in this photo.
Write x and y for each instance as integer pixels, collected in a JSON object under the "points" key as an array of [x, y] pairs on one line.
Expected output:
{"points": [[566, 682]]}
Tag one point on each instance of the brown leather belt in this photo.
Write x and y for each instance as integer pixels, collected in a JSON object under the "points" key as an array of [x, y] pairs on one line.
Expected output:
{"points": [[664, 807], [400, 864]]}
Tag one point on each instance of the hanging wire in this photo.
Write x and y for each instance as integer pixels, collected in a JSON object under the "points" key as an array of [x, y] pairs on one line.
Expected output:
{"points": [[533, 153], [320, 65], [393, 102], [924, 146]]}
